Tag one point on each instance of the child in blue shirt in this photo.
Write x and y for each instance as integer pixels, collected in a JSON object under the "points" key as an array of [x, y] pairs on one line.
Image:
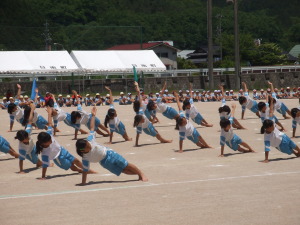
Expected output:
{"points": [[247, 102], [92, 152], [229, 138]]}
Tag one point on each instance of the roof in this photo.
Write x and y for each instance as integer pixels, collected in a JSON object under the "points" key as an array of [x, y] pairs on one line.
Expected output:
{"points": [[184, 53], [118, 61], [295, 51], [36, 62], [145, 46]]}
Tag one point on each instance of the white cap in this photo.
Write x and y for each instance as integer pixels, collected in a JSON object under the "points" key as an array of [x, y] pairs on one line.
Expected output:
{"points": [[180, 90], [241, 90], [4, 98], [26, 96], [254, 89], [268, 89], [121, 93], [261, 89], [87, 95], [97, 93], [107, 95], [38, 96], [11, 98], [288, 88], [21, 96], [226, 91], [231, 90], [157, 93], [68, 96], [166, 90], [197, 91], [60, 95], [187, 91]]}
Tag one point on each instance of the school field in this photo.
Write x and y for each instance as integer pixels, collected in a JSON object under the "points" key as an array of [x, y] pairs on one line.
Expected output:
{"points": [[194, 187]]}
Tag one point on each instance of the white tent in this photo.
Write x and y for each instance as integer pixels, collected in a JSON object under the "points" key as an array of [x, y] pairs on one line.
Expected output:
{"points": [[31, 62], [118, 61]]}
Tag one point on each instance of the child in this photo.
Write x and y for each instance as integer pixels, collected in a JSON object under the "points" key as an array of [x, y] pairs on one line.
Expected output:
{"points": [[27, 148], [161, 107], [91, 151], [266, 112], [296, 119], [229, 138], [192, 112], [247, 102], [59, 115], [278, 105], [6, 148], [224, 112], [14, 111], [186, 129], [81, 117], [142, 123], [115, 124], [52, 150], [275, 138]]}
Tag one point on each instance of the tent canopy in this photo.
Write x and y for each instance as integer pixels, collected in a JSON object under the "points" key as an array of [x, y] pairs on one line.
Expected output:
{"points": [[118, 61], [36, 62]]}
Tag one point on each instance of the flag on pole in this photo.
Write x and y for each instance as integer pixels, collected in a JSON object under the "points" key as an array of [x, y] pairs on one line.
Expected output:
{"points": [[135, 74], [33, 89]]}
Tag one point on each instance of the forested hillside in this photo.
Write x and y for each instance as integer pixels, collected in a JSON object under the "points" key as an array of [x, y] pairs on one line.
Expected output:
{"points": [[99, 24]]}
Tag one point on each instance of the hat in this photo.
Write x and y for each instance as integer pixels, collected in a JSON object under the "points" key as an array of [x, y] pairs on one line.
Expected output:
{"points": [[68, 96], [166, 90], [226, 91], [87, 95], [97, 94], [47, 92], [275, 89], [288, 88], [241, 90], [60, 95], [281, 88], [4, 98], [268, 89], [21, 96], [197, 91], [208, 91], [261, 89], [121, 93], [11, 98], [180, 90], [37, 96], [108, 95], [231, 90], [254, 89], [26, 96], [129, 93], [187, 91], [157, 93]]}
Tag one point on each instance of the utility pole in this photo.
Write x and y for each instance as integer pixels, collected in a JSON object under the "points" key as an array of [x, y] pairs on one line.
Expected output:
{"points": [[237, 47], [47, 37], [210, 44]]}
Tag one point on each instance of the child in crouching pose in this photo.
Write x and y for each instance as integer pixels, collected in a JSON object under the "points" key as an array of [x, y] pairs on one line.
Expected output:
{"points": [[186, 129], [114, 122], [273, 137], [92, 152], [229, 138]]}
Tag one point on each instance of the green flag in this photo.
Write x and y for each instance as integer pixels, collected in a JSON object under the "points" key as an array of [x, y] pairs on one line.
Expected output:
{"points": [[135, 74]]}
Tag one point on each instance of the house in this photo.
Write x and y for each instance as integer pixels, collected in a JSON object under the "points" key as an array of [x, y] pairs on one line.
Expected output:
{"points": [[294, 54], [166, 52], [200, 55]]}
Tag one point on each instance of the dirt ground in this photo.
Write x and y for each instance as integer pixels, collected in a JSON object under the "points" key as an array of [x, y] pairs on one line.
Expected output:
{"points": [[194, 187]]}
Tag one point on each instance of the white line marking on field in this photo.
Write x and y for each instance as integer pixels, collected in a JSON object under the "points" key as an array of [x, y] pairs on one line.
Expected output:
{"points": [[259, 139], [173, 159], [216, 165], [130, 153], [142, 185]]}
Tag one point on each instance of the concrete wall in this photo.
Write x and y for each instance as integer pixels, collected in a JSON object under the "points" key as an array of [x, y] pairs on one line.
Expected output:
{"points": [[285, 79]]}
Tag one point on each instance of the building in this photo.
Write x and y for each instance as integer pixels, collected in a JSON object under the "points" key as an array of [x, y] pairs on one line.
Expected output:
{"points": [[166, 52], [200, 55]]}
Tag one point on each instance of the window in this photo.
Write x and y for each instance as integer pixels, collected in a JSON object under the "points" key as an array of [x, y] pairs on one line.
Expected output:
{"points": [[152, 65], [42, 67]]}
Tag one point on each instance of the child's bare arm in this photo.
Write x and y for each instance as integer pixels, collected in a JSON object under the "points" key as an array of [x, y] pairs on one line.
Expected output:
{"points": [[245, 86], [177, 101], [19, 91], [110, 95], [163, 89], [93, 112], [271, 86], [233, 106]]}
